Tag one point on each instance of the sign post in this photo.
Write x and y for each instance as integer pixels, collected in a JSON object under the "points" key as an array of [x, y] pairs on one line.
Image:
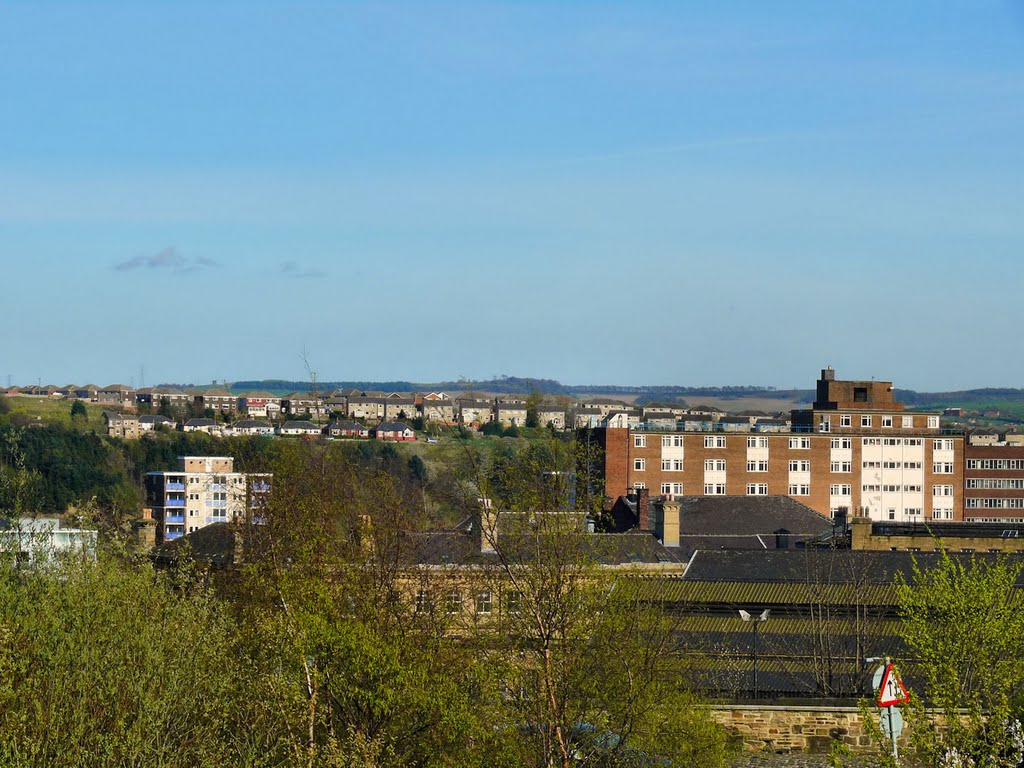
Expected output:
{"points": [[891, 692]]}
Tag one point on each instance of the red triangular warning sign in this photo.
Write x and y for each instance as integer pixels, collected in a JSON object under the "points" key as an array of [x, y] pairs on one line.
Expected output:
{"points": [[892, 691]]}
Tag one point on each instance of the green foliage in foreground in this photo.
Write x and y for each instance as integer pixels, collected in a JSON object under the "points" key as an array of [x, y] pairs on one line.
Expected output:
{"points": [[112, 663]]}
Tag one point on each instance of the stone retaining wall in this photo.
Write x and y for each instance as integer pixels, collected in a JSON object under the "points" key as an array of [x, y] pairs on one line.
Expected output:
{"points": [[794, 728]]}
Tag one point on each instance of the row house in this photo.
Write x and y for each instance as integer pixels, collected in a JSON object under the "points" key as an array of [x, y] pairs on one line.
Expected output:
{"points": [[626, 418], [585, 417], [397, 407], [510, 413], [442, 411], [551, 416], [216, 399], [303, 404], [474, 411], [260, 405], [121, 425], [365, 407], [854, 450], [117, 395]]}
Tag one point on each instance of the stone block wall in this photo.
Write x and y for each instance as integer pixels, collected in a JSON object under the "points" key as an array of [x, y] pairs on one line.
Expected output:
{"points": [[795, 729]]}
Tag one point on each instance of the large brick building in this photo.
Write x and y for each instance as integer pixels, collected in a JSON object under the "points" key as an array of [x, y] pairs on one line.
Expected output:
{"points": [[856, 449], [994, 483]]}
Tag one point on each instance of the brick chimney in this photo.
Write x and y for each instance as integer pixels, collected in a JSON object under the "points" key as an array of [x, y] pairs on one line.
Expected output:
{"points": [[643, 509]]}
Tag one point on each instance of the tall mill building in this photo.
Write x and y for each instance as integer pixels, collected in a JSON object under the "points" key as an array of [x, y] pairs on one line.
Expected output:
{"points": [[856, 450]]}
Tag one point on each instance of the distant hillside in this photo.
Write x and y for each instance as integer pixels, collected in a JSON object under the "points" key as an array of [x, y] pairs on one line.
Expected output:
{"points": [[639, 394]]}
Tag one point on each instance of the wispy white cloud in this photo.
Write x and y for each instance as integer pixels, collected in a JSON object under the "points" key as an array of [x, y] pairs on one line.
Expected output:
{"points": [[169, 258], [294, 270]]}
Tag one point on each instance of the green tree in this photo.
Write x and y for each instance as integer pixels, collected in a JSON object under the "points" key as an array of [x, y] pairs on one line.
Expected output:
{"points": [[593, 666], [963, 620], [79, 412], [102, 664]]}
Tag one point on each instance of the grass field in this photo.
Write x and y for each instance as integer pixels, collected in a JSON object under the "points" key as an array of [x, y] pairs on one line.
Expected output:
{"points": [[26, 409]]}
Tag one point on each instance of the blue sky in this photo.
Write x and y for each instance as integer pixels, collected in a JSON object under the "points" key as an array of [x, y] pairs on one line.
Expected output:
{"points": [[631, 193]]}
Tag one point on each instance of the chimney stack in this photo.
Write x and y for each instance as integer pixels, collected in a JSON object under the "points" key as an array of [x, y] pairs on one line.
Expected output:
{"points": [[667, 526], [488, 527], [643, 509]]}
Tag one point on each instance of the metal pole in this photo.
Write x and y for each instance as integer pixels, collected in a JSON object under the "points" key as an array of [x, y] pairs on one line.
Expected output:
{"points": [[892, 735]]}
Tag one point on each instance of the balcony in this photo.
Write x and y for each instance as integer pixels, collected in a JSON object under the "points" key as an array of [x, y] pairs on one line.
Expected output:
{"points": [[174, 518], [175, 487], [174, 502], [171, 535]]}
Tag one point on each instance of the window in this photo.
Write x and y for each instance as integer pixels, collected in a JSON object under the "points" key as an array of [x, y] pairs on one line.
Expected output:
{"points": [[887, 421], [912, 511], [860, 394], [639, 441], [933, 422], [907, 422], [865, 421], [839, 489], [800, 443], [943, 514], [824, 424], [639, 465], [800, 490], [639, 485], [944, 490], [842, 442], [845, 420], [671, 441], [483, 603], [453, 602], [942, 468], [891, 488], [800, 466], [872, 441], [714, 489], [714, 465], [714, 441], [513, 602], [422, 601], [671, 465], [671, 489], [757, 489], [757, 442], [942, 445], [841, 466], [757, 466], [871, 488]]}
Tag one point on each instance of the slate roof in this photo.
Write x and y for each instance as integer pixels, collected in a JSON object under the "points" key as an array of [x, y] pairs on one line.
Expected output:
{"points": [[215, 544], [734, 522], [300, 425], [461, 546], [200, 423], [836, 566], [392, 426]]}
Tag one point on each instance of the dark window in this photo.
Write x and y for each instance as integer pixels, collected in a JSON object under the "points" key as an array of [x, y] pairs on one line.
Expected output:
{"points": [[860, 394]]}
